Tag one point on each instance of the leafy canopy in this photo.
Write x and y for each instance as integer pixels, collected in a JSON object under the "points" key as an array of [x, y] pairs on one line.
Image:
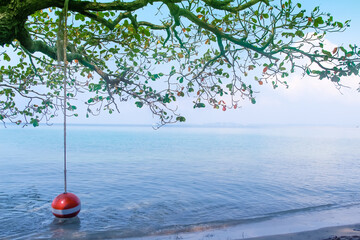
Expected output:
{"points": [[155, 52]]}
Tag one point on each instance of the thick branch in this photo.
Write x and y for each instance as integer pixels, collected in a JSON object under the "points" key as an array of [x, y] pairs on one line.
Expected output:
{"points": [[40, 46], [223, 5], [79, 6], [111, 24], [35, 46]]}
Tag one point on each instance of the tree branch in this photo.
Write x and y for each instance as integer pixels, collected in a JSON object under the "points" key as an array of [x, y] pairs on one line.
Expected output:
{"points": [[177, 11], [223, 5], [116, 5]]}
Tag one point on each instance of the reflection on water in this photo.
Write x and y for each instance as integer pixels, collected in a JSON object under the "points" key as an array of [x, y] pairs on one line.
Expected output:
{"points": [[65, 228]]}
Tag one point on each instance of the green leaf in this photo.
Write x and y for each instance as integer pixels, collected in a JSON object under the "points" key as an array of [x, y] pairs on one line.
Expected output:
{"points": [[166, 99], [318, 21], [299, 33], [229, 86], [139, 104], [343, 49], [199, 105], [253, 101], [34, 122], [180, 119], [6, 57], [327, 53], [335, 79], [323, 75], [79, 17], [316, 72]]}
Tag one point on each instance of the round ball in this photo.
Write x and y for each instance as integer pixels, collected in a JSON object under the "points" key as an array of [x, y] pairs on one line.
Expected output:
{"points": [[66, 205]]}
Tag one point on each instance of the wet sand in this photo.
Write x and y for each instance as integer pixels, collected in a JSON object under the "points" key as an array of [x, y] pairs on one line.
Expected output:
{"points": [[348, 232]]}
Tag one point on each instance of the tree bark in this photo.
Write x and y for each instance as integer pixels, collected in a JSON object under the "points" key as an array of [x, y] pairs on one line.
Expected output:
{"points": [[11, 21], [13, 15]]}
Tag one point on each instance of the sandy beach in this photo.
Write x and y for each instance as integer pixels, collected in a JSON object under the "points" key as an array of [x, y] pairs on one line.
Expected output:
{"points": [[347, 232], [332, 224]]}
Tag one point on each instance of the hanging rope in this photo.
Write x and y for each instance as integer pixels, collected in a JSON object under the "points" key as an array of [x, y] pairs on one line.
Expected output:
{"points": [[61, 55]]}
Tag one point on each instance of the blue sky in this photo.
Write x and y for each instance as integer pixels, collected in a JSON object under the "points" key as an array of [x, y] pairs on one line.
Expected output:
{"points": [[307, 101]]}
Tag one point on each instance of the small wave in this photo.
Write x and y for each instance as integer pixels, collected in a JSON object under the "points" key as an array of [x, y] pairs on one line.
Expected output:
{"points": [[305, 209]]}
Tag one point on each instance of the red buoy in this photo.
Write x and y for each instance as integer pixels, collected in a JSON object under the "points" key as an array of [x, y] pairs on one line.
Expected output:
{"points": [[66, 205]]}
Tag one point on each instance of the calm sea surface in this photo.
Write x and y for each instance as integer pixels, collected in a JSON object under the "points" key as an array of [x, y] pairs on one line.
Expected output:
{"points": [[135, 181]]}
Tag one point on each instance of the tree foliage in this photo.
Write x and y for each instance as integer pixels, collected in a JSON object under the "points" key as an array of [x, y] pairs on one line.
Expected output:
{"points": [[154, 52]]}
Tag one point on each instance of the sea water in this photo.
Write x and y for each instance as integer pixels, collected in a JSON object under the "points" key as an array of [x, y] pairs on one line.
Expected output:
{"points": [[136, 182]]}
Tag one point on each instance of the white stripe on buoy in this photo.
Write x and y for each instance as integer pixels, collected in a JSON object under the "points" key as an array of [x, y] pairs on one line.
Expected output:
{"points": [[66, 211]]}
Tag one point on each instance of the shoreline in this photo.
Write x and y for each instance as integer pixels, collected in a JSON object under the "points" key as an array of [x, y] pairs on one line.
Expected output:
{"points": [[326, 233], [343, 232], [313, 225]]}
